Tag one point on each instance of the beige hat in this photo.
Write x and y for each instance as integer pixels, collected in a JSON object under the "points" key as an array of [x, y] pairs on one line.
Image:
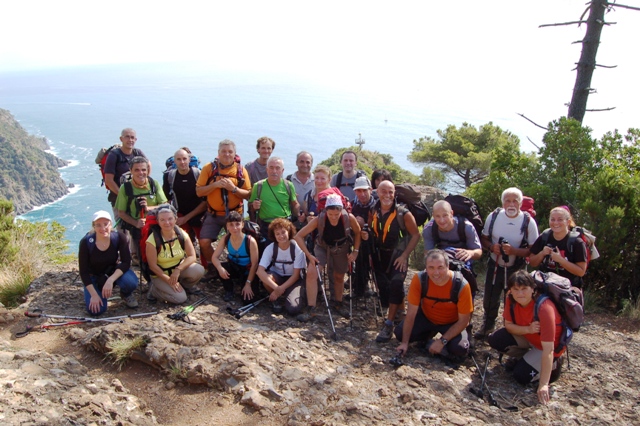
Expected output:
{"points": [[101, 214]]}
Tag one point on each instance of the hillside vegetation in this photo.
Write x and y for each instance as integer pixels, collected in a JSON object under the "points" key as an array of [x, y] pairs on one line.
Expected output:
{"points": [[29, 176]]}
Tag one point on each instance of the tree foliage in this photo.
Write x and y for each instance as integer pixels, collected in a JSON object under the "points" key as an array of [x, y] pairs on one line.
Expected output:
{"points": [[368, 161], [466, 152]]}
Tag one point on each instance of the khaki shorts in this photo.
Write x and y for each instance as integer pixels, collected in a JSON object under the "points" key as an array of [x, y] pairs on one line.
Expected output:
{"points": [[337, 257]]}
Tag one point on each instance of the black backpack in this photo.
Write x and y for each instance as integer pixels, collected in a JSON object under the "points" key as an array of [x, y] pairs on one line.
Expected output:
{"points": [[456, 288], [359, 173], [409, 195], [467, 208], [292, 254]]}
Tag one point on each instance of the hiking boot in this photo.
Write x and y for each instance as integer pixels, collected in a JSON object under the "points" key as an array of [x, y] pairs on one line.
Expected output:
{"points": [[193, 290], [228, 296], [386, 332], [510, 364], [342, 309], [557, 368], [484, 331], [276, 308], [307, 314], [150, 297], [131, 301]]}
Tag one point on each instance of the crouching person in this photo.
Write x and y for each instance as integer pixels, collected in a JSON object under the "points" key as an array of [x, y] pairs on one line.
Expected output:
{"points": [[280, 268], [534, 345], [439, 302]]}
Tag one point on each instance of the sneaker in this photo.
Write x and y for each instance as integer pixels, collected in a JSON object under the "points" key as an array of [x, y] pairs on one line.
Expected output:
{"points": [[484, 331], [131, 301], [386, 332], [276, 308], [150, 297], [193, 290], [228, 296], [341, 309], [307, 314], [510, 364]]}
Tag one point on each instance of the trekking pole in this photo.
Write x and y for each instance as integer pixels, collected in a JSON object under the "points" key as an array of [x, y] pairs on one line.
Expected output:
{"points": [[37, 313], [377, 289], [480, 393], [242, 311], [326, 301], [184, 313], [351, 269]]}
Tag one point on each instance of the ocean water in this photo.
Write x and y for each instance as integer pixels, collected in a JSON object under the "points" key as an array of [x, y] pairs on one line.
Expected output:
{"points": [[79, 111]]}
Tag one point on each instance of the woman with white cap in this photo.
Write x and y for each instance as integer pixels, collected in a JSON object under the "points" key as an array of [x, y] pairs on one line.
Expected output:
{"points": [[104, 261]]}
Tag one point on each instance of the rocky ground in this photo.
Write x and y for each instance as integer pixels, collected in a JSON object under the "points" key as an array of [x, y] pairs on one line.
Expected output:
{"points": [[270, 369]]}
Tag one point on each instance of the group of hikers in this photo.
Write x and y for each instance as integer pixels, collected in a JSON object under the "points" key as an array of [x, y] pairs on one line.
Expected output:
{"points": [[314, 226]]}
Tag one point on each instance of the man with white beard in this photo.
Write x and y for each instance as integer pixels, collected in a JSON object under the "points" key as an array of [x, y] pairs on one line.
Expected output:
{"points": [[508, 233]]}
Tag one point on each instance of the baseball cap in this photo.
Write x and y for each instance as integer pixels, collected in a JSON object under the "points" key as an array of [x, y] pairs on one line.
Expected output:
{"points": [[362, 183], [333, 200], [101, 214]]}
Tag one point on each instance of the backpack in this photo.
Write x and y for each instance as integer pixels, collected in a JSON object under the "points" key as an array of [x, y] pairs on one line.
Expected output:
{"points": [[103, 154], [170, 163], [128, 190], [527, 206], [251, 229], [409, 195], [322, 221], [170, 175], [322, 199], [467, 208], [576, 232], [151, 226], [456, 288], [91, 240], [215, 171], [292, 254], [359, 173], [524, 229]]}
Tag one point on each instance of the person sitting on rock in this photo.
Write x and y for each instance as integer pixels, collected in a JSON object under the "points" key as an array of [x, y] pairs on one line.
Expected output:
{"points": [[104, 260], [533, 344], [437, 310], [280, 268], [174, 270], [242, 260], [338, 231]]}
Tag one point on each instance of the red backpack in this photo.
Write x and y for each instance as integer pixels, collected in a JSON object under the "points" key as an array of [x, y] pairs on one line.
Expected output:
{"points": [[151, 226], [322, 199]]}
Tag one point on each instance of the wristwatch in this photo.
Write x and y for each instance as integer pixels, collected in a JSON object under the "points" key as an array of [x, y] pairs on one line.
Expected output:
{"points": [[444, 341], [235, 189]]}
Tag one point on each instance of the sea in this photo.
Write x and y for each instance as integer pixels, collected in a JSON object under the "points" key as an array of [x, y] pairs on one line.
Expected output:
{"points": [[80, 110]]}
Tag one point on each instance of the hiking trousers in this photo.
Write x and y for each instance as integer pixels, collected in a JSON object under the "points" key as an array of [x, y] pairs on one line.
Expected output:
{"points": [[188, 278], [493, 291]]}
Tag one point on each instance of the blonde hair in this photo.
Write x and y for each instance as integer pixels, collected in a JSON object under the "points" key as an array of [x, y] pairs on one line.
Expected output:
{"points": [[566, 214], [321, 168]]}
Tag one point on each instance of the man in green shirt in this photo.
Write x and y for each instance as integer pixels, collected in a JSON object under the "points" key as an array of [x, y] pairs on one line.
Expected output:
{"points": [[274, 197]]}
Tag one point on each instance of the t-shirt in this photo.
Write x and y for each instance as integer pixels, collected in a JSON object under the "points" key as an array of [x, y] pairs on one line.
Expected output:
{"points": [[579, 254], [256, 170], [171, 253], [347, 184], [451, 238], [302, 188], [102, 262], [276, 201], [214, 198], [509, 229], [156, 200], [440, 312], [550, 321], [184, 191], [283, 265]]}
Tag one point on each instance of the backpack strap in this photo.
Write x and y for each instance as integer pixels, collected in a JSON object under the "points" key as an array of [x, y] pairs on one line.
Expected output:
{"points": [[524, 229], [90, 240], [292, 254], [322, 220], [160, 242], [462, 235], [215, 171], [492, 221], [456, 288], [339, 180]]}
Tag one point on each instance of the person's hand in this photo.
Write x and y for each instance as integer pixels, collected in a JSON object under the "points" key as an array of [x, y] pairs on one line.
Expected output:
{"points": [[556, 256], [543, 394], [275, 294], [143, 203], [364, 235], [256, 204], [313, 261], [507, 249], [360, 221], [173, 278], [436, 347], [351, 257], [547, 250], [534, 327], [463, 254], [401, 263], [181, 220], [223, 273], [107, 288], [247, 292], [95, 304], [402, 349]]}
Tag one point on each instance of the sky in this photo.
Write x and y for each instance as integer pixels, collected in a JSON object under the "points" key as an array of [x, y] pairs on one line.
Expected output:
{"points": [[468, 57]]}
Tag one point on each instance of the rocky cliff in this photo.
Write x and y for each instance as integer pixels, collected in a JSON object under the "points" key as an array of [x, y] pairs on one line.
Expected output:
{"points": [[29, 176]]}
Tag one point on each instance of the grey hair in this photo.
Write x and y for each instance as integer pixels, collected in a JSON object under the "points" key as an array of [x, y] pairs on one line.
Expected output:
{"points": [[512, 191]]}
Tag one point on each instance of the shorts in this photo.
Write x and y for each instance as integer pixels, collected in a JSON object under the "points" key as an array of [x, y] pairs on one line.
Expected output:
{"points": [[212, 226], [337, 257]]}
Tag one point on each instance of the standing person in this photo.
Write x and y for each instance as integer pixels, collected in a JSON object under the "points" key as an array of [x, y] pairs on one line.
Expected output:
{"points": [[179, 185], [338, 232], [346, 179], [361, 209], [534, 344], [242, 260], [174, 271], [378, 176], [434, 311], [258, 168], [226, 184], [280, 267], [557, 251], [395, 235], [117, 164], [321, 179], [138, 196], [303, 179], [508, 231], [274, 197], [104, 261]]}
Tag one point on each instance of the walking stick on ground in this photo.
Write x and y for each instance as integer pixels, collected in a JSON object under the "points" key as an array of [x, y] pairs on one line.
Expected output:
{"points": [[480, 393], [244, 310], [184, 313], [326, 301]]}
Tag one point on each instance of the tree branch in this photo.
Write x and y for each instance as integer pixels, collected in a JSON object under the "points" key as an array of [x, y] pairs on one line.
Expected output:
{"points": [[623, 6], [606, 66], [532, 143], [563, 23], [602, 109], [532, 122]]}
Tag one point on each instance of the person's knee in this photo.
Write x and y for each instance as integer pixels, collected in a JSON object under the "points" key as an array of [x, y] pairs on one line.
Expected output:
{"points": [[500, 340], [523, 372]]}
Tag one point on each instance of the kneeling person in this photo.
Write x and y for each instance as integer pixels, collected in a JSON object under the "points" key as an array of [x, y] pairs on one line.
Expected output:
{"points": [[436, 311], [280, 268]]}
